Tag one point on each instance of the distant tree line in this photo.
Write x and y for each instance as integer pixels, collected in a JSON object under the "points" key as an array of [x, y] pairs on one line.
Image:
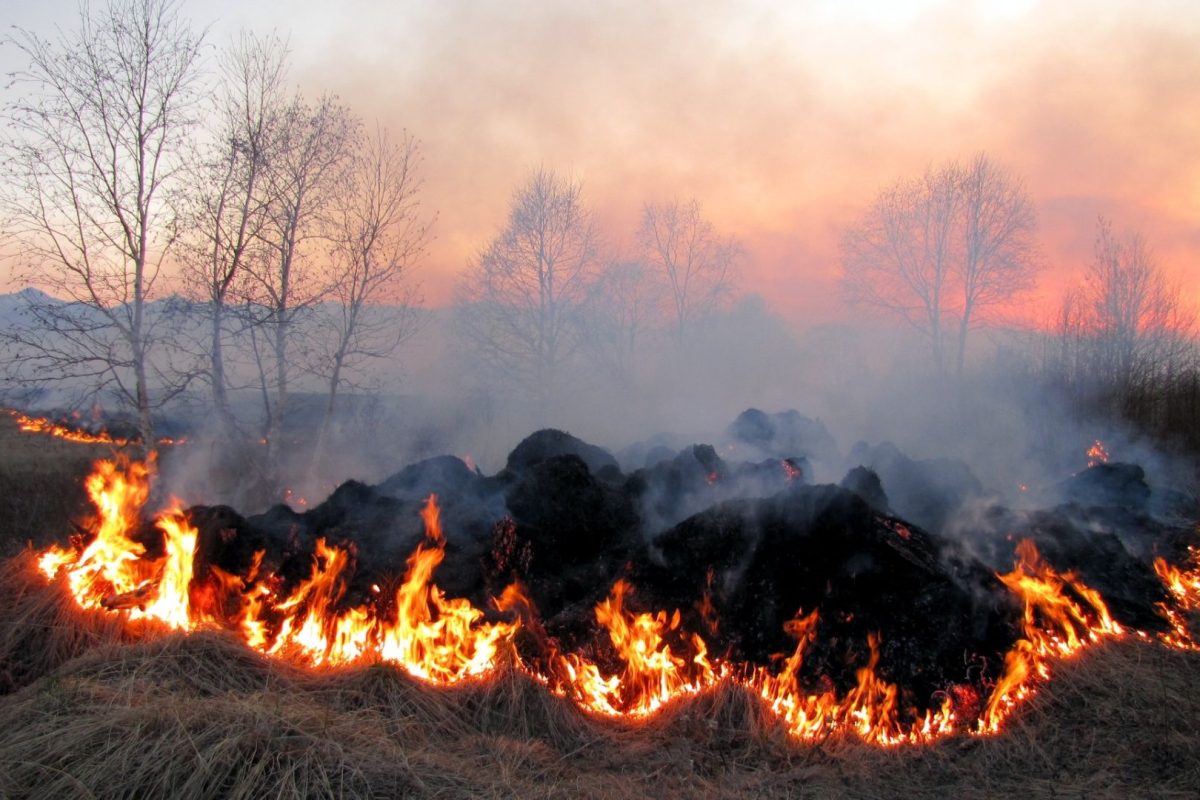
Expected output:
{"points": [[133, 174], [291, 228], [546, 293], [1124, 344], [939, 250]]}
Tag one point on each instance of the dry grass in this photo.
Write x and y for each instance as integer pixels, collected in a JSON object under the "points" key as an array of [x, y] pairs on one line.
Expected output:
{"points": [[41, 486], [202, 716]]}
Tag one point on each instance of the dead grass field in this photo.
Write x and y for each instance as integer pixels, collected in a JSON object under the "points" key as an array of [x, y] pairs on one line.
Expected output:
{"points": [[89, 708]]}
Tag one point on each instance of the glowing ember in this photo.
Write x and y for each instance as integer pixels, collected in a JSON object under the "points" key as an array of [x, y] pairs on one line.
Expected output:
{"points": [[653, 659], [792, 470], [1097, 454]]}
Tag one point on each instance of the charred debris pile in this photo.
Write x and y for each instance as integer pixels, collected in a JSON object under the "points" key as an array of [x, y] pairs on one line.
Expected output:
{"points": [[738, 537]]}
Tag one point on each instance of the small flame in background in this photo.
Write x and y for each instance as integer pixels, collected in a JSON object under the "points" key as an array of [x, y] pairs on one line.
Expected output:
{"points": [[442, 640], [792, 470], [1097, 454], [30, 424]]}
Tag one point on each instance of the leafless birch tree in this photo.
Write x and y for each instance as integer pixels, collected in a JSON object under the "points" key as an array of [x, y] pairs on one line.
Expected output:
{"points": [[942, 247], [1125, 339], [623, 303], [378, 232], [310, 158], [996, 258], [898, 256], [94, 154], [696, 264], [230, 205], [522, 296]]}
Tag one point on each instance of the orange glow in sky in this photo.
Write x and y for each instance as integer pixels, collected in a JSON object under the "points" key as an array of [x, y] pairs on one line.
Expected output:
{"points": [[783, 119]]}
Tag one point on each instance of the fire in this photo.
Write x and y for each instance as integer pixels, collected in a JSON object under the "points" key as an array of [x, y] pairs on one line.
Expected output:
{"points": [[1097, 453], [653, 675], [112, 571], [871, 710], [111, 564], [30, 424], [1183, 584], [436, 639], [42, 425], [651, 660], [1061, 617]]}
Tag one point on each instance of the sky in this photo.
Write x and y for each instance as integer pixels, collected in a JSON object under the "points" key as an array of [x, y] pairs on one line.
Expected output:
{"points": [[783, 119]]}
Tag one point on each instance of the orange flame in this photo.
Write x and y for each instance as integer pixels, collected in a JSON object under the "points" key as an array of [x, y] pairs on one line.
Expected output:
{"points": [[433, 638], [653, 674], [1061, 617], [30, 424], [112, 562], [443, 640], [1183, 584]]}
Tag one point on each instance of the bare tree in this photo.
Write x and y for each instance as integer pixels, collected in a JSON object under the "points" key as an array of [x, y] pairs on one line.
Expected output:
{"points": [[696, 264], [230, 204], [521, 297], [1131, 315], [996, 259], [1125, 341], [378, 232], [947, 244], [898, 255], [310, 157], [96, 150]]}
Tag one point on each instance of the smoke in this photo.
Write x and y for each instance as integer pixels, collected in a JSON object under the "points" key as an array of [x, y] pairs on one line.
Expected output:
{"points": [[782, 120]]}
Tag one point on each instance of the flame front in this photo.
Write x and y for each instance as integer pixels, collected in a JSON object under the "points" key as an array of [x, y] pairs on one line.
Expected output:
{"points": [[1061, 617], [436, 639], [111, 564], [1183, 584], [652, 661], [652, 675], [49, 427]]}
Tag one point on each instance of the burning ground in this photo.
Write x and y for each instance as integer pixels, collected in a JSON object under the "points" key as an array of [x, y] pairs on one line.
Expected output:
{"points": [[709, 602]]}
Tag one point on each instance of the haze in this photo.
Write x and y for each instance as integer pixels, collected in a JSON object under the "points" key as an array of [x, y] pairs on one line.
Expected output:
{"points": [[782, 119]]}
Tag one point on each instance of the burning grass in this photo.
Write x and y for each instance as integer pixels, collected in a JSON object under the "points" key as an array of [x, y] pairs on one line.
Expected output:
{"points": [[201, 715], [103, 698]]}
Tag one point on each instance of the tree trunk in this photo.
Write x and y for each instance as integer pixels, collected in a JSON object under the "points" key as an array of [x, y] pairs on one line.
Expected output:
{"points": [[219, 394], [964, 327], [275, 430]]}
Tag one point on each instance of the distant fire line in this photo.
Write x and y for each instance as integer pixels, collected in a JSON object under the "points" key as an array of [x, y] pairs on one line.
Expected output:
{"points": [[47, 426]]}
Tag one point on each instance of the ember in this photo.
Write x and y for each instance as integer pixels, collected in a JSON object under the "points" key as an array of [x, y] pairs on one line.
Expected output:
{"points": [[1097, 454]]}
